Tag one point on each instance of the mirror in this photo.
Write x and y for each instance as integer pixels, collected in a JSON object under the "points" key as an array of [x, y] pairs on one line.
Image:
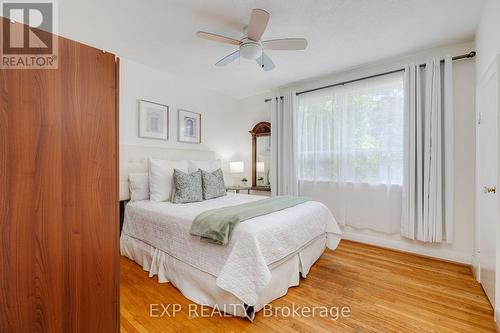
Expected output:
{"points": [[261, 156], [263, 161]]}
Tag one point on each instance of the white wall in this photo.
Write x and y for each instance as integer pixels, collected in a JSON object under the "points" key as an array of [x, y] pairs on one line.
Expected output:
{"points": [[488, 36], [461, 249], [234, 142], [225, 122]]}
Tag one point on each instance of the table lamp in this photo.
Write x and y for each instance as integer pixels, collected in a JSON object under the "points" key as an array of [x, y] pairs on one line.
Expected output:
{"points": [[238, 168]]}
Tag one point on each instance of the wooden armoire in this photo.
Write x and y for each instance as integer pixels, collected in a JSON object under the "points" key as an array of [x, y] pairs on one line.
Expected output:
{"points": [[59, 238]]}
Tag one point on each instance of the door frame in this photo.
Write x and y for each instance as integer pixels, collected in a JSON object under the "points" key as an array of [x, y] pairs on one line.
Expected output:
{"points": [[493, 69]]}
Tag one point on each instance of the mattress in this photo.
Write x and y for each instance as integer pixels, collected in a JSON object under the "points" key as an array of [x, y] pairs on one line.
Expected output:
{"points": [[241, 267]]}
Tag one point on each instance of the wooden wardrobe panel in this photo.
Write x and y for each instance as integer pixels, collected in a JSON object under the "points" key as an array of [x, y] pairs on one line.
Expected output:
{"points": [[58, 195]]}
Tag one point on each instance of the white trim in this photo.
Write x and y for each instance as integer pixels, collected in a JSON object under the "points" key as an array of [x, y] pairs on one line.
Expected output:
{"points": [[449, 255], [480, 84], [476, 272]]}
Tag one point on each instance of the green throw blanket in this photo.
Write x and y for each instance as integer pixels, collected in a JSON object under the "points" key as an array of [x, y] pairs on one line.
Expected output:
{"points": [[217, 225]]}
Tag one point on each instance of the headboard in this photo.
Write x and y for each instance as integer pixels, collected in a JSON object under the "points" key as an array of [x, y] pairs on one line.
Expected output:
{"points": [[134, 159]]}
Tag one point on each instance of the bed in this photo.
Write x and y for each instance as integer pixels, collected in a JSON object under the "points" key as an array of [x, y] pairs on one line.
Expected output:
{"points": [[265, 256]]}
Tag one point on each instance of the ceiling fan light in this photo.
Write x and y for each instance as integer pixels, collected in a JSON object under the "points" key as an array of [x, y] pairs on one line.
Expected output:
{"points": [[251, 51]]}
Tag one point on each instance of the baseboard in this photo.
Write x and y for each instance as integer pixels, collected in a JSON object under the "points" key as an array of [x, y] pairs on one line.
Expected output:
{"points": [[453, 256], [497, 320], [475, 266]]}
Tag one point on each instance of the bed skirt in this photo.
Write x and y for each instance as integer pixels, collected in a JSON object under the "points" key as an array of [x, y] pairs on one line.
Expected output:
{"points": [[200, 287]]}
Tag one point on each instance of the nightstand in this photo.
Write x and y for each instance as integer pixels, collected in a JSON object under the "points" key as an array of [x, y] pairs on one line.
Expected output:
{"points": [[237, 189]]}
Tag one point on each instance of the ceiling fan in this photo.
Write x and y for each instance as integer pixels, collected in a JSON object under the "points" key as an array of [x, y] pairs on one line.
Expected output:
{"points": [[251, 47]]}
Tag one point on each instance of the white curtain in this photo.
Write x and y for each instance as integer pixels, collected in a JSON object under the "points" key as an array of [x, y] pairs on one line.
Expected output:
{"points": [[350, 151], [283, 145], [427, 207]]}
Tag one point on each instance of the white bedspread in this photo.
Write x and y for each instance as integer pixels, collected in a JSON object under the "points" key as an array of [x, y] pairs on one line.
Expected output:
{"points": [[241, 267]]}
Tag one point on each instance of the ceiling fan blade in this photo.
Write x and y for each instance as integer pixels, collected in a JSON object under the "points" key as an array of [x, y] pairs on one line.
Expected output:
{"points": [[258, 24], [228, 59], [217, 38], [285, 44], [265, 62]]}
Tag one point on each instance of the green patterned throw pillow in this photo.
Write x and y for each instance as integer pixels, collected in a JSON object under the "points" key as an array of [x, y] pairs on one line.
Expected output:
{"points": [[213, 184], [188, 187]]}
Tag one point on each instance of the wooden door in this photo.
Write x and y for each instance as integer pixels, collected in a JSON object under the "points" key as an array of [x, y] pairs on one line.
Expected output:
{"points": [[486, 179], [58, 195]]}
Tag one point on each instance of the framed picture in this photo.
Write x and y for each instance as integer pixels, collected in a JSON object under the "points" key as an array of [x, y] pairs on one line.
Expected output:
{"points": [[153, 120], [189, 128]]}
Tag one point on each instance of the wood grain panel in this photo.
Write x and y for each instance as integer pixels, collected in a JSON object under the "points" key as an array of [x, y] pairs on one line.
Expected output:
{"points": [[386, 291], [59, 201]]}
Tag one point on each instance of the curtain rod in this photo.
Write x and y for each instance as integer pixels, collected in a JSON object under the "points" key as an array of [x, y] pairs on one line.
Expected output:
{"points": [[469, 55], [270, 99]]}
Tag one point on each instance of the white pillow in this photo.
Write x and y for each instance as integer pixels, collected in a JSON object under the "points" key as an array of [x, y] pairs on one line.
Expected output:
{"points": [[138, 184], [208, 166], [161, 178]]}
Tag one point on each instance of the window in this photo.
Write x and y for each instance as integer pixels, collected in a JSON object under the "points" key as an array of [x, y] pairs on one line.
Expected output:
{"points": [[353, 133]]}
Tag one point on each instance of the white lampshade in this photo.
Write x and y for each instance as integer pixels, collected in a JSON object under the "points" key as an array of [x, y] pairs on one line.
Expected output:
{"points": [[260, 167], [236, 167]]}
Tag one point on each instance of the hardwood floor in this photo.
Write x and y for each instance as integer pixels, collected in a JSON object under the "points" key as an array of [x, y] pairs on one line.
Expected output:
{"points": [[386, 291]]}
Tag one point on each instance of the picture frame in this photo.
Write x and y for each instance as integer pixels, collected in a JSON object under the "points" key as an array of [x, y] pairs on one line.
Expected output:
{"points": [[153, 120], [189, 126]]}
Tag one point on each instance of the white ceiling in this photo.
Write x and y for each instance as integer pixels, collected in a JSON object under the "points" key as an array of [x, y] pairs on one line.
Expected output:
{"points": [[341, 34]]}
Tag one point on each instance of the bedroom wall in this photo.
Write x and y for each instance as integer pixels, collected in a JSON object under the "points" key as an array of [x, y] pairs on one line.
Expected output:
{"points": [[236, 142], [461, 249], [488, 36], [225, 121]]}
